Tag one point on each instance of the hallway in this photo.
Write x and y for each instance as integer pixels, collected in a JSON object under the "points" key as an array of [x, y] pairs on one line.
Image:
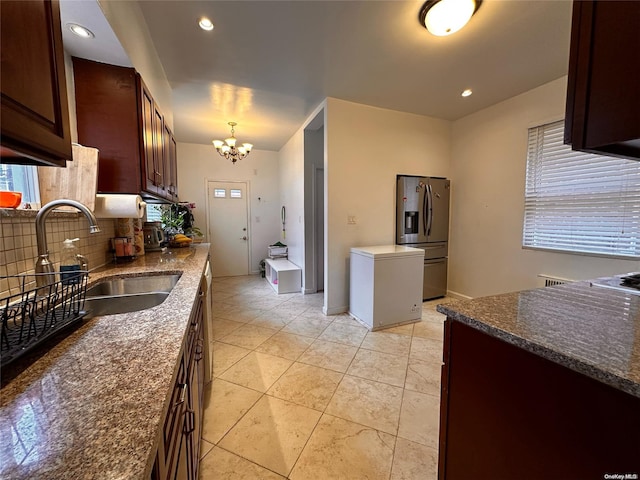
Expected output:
{"points": [[300, 395]]}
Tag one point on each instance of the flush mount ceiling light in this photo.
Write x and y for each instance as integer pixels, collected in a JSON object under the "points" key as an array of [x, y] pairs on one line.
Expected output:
{"points": [[444, 17], [466, 93], [80, 31], [205, 24], [228, 150]]}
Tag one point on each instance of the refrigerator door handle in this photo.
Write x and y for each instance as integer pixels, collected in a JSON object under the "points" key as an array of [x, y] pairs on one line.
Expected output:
{"points": [[430, 210], [425, 209]]}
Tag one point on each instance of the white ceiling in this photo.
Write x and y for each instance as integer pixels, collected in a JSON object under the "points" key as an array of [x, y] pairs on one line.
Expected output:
{"points": [[267, 64]]}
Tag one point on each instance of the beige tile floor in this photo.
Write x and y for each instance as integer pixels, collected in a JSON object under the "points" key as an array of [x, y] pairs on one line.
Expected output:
{"points": [[300, 395]]}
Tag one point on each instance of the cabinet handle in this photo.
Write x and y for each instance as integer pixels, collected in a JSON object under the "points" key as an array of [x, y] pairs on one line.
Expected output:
{"points": [[199, 350], [183, 395], [189, 421]]}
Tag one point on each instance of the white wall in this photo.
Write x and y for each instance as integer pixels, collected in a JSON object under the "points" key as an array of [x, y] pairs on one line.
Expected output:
{"points": [[487, 185], [366, 148], [128, 24], [198, 164], [71, 96], [292, 196]]}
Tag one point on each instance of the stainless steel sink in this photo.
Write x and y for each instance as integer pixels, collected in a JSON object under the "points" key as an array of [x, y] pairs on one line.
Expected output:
{"points": [[110, 305], [129, 294], [132, 285]]}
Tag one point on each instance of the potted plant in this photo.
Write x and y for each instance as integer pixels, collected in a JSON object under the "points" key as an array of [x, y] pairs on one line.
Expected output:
{"points": [[174, 221]]}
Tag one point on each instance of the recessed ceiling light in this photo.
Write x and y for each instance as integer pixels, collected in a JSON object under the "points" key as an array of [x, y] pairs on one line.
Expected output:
{"points": [[466, 93], [444, 17], [205, 24], [80, 31]]}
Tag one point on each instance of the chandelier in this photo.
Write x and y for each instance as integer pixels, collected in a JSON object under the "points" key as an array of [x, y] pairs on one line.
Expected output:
{"points": [[228, 149]]}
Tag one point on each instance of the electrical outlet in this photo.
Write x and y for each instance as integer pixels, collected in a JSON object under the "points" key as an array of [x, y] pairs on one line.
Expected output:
{"points": [[415, 308], [257, 219], [351, 220]]}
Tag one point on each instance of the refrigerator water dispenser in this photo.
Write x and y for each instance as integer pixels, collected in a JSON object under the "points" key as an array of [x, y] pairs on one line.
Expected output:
{"points": [[410, 222]]}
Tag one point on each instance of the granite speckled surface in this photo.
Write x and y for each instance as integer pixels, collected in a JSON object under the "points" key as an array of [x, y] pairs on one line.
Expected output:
{"points": [[591, 330], [92, 405]]}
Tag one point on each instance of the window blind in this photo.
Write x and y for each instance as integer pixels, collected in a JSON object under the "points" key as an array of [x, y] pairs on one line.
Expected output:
{"points": [[579, 202]]}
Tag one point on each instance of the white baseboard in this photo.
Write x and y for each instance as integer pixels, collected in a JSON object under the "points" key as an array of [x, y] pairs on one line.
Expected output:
{"points": [[458, 296], [335, 310]]}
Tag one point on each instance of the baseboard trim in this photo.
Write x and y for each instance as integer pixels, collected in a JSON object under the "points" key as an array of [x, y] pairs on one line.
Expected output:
{"points": [[458, 296], [335, 310]]}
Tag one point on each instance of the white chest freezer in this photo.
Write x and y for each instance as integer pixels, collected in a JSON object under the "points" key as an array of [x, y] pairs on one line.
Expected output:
{"points": [[386, 285]]}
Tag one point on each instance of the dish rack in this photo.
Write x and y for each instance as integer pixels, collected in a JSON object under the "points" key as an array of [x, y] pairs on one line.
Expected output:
{"points": [[37, 313]]}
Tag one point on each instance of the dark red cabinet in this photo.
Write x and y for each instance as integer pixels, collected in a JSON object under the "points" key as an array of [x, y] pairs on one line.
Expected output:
{"points": [[179, 447], [508, 413], [170, 164], [117, 114], [35, 113], [603, 99]]}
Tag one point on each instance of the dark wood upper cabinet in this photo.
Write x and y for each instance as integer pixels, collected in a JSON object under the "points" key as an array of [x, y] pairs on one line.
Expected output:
{"points": [[35, 113], [603, 98], [171, 164], [117, 114]]}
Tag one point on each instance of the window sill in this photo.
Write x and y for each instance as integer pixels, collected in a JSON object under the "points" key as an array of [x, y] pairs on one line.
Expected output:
{"points": [[29, 213], [584, 254]]}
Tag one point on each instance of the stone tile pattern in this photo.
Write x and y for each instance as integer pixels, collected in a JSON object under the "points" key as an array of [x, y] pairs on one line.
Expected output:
{"points": [[92, 405], [300, 395], [19, 249], [589, 329]]}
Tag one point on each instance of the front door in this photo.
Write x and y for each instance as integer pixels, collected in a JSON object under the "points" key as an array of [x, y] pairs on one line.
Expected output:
{"points": [[228, 228]]}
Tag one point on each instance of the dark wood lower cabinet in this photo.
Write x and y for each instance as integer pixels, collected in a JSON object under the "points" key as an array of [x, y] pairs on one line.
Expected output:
{"points": [[507, 413], [179, 447]]}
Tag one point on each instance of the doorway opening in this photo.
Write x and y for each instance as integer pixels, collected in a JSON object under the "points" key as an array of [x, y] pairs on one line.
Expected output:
{"points": [[314, 205]]}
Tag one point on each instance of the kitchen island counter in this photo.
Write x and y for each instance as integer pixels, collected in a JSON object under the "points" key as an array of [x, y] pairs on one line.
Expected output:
{"points": [[92, 405], [589, 329], [541, 383]]}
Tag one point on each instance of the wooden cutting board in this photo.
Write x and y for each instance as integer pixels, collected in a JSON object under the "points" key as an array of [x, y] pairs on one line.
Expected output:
{"points": [[79, 181]]}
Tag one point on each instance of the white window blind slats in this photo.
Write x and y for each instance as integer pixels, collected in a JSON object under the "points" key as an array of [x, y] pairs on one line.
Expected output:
{"points": [[579, 202]]}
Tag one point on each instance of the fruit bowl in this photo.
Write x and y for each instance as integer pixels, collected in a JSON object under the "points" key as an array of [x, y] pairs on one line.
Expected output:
{"points": [[179, 245], [180, 241]]}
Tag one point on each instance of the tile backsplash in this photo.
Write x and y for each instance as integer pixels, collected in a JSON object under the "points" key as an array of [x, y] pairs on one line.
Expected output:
{"points": [[18, 246]]}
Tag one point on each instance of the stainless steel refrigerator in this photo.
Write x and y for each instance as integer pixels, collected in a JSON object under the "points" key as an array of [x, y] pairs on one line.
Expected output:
{"points": [[422, 221]]}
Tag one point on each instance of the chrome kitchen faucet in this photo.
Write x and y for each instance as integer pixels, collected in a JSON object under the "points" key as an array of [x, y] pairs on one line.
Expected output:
{"points": [[43, 264]]}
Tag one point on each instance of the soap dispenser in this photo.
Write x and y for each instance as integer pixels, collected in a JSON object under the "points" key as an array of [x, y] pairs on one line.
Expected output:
{"points": [[71, 263]]}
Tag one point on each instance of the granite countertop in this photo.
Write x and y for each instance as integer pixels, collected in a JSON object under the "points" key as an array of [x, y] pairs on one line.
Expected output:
{"points": [[591, 330], [92, 406]]}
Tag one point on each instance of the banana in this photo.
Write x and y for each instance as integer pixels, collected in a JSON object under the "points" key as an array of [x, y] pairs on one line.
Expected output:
{"points": [[181, 239]]}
